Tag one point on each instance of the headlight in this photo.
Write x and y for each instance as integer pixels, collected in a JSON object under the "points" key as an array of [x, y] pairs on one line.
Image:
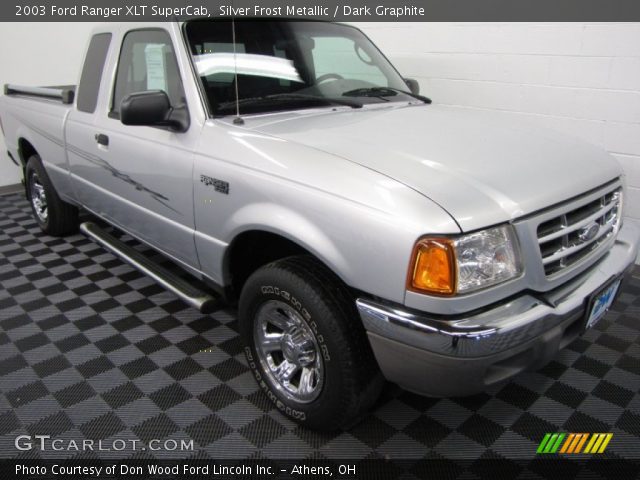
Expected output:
{"points": [[447, 266]]}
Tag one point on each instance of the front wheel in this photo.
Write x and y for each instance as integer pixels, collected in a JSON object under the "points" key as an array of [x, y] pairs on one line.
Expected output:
{"points": [[306, 345]]}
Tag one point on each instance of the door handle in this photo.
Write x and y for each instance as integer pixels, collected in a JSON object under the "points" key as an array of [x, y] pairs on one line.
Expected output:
{"points": [[102, 139]]}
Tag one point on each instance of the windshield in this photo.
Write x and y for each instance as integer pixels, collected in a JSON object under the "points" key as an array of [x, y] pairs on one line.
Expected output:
{"points": [[289, 65]]}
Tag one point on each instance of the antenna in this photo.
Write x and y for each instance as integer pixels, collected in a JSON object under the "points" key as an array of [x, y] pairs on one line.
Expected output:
{"points": [[238, 120]]}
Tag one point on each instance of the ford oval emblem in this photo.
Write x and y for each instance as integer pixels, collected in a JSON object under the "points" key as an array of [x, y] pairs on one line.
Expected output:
{"points": [[589, 232]]}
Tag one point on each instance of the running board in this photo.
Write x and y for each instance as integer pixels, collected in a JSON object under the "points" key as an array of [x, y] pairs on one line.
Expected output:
{"points": [[191, 295]]}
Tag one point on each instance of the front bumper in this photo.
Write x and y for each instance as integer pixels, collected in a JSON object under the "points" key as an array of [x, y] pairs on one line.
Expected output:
{"points": [[462, 355]]}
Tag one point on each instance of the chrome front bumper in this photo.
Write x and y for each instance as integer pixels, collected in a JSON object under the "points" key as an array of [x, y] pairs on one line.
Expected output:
{"points": [[421, 352]]}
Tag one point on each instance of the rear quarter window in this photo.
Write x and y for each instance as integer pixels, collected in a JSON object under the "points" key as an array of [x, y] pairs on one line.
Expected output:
{"points": [[92, 72]]}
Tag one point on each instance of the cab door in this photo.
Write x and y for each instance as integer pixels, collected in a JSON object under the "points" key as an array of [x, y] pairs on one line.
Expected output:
{"points": [[141, 177]]}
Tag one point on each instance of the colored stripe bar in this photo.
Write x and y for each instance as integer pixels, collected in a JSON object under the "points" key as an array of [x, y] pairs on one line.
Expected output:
{"points": [[558, 442], [550, 443], [605, 442], [574, 444], [584, 439], [567, 443], [596, 444], [544, 441], [593, 439]]}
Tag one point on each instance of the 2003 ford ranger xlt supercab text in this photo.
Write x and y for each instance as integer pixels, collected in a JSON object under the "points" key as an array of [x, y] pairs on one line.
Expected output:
{"points": [[364, 233]]}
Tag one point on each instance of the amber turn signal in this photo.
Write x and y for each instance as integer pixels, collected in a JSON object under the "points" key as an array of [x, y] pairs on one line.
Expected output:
{"points": [[433, 267]]}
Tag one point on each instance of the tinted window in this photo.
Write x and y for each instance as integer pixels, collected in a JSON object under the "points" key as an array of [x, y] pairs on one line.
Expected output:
{"points": [[147, 62], [92, 72], [286, 59]]}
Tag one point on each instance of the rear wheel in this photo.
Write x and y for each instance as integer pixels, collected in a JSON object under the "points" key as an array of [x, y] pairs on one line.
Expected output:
{"points": [[306, 345], [54, 216]]}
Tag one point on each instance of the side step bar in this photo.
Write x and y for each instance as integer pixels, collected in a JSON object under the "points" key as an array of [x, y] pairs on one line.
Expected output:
{"points": [[191, 295]]}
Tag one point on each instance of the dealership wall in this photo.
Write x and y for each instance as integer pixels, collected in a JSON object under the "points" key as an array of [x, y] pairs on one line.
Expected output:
{"points": [[582, 79], [39, 54]]}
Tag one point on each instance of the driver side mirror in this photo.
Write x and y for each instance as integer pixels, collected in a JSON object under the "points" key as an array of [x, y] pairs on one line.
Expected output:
{"points": [[153, 109], [414, 86]]}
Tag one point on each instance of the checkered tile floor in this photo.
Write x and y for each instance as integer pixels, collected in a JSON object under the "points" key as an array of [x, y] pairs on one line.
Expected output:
{"points": [[92, 349]]}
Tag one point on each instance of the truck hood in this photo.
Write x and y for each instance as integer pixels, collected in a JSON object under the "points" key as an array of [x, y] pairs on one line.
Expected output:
{"points": [[479, 167]]}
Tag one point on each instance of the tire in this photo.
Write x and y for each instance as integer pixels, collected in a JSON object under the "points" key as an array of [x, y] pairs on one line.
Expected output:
{"points": [[306, 345], [54, 216]]}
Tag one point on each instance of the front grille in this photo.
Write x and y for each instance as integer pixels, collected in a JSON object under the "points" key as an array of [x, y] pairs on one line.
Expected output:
{"points": [[568, 238]]}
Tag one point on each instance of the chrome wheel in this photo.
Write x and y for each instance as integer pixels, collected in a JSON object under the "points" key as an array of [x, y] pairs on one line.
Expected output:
{"points": [[288, 351], [38, 198]]}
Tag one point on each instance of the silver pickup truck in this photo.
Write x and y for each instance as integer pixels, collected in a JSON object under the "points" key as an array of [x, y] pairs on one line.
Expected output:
{"points": [[365, 233]]}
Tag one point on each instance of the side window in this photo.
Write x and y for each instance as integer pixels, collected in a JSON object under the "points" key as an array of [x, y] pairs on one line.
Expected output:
{"points": [[147, 62], [89, 86]]}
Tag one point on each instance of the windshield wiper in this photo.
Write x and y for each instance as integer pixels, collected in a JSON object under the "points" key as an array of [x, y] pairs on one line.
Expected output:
{"points": [[383, 92], [290, 97]]}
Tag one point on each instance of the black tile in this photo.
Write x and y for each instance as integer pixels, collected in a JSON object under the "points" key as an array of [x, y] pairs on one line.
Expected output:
{"points": [[533, 427], [194, 345], [629, 364], [53, 322], [159, 427], [27, 394], [15, 322], [629, 422], [566, 394], [8, 422], [427, 431], [73, 394], [262, 431], [579, 345], [88, 323], [591, 366], [614, 343], [165, 323], [219, 397], [517, 395], [51, 366], [122, 395], [139, 367], [95, 366], [53, 425], [36, 304], [127, 323], [112, 343], [183, 368], [102, 427], [373, 432], [233, 346], [71, 304], [141, 305], [481, 429], [12, 364], [53, 289], [71, 343], [153, 344], [208, 430], [613, 393], [580, 422], [31, 342], [170, 396], [104, 305], [228, 369]]}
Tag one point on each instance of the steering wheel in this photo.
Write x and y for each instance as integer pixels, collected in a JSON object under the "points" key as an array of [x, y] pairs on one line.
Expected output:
{"points": [[328, 76]]}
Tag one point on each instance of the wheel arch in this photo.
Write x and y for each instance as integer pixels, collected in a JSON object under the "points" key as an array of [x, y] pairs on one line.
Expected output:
{"points": [[253, 248]]}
